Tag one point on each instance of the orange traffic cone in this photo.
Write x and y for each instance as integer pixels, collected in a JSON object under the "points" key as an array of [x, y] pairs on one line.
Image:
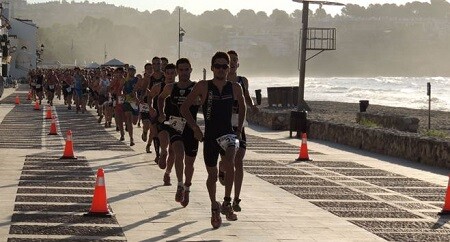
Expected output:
{"points": [[17, 102], [68, 149], [303, 156], [99, 207], [29, 95], [48, 115], [446, 208], [37, 106], [53, 130]]}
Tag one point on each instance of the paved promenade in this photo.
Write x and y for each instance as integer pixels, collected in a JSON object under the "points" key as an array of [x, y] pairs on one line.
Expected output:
{"points": [[344, 194]]}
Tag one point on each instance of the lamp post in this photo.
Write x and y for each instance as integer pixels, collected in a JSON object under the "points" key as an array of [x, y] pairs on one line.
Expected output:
{"points": [[181, 32], [4, 45], [39, 53]]}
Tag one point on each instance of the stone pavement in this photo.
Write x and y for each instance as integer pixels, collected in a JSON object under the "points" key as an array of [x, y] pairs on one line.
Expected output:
{"points": [[343, 195]]}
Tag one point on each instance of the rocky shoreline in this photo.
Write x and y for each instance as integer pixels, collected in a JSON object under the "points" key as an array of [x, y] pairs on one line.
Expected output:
{"points": [[345, 113]]}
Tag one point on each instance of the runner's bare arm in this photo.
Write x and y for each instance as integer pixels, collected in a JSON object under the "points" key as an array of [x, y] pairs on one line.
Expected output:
{"points": [[239, 96], [198, 91], [162, 101]]}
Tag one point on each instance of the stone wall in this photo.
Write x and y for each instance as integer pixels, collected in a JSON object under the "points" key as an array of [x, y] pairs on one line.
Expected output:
{"points": [[398, 122], [406, 145]]}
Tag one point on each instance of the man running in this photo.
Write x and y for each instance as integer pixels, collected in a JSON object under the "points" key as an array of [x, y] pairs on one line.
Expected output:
{"points": [[238, 160], [130, 104], [182, 139], [157, 77], [217, 97]]}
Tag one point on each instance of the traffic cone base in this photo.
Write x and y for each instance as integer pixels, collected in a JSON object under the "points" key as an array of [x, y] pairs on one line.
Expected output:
{"points": [[99, 207], [446, 208], [303, 156]]}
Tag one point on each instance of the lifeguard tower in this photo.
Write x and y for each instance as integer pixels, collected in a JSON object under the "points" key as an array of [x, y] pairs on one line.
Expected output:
{"points": [[316, 39]]}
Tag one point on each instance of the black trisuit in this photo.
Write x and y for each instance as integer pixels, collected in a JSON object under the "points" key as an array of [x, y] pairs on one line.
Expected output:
{"points": [[217, 111], [172, 108]]}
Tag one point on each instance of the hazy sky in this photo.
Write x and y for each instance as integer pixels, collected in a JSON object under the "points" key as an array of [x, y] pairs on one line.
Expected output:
{"points": [[199, 6]]}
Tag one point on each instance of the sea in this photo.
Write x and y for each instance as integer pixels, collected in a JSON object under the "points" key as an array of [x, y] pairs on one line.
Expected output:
{"points": [[407, 92]]}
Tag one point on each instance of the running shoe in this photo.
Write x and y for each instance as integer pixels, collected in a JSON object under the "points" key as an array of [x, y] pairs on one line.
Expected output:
{"points": [[185, 201], [166, 179], [227, 210], [147, 148], [236, 206], [179, 194], [216, 220]]}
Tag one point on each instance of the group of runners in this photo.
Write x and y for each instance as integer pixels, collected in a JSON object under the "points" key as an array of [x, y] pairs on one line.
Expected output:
{"points": [[168, 112]]}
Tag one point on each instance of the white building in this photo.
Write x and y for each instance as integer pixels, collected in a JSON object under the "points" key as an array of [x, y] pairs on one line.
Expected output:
{"points": [[19, 51], [22, 35]]}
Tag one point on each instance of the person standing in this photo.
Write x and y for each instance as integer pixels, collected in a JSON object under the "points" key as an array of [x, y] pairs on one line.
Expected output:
{"points": [[217, 97]]}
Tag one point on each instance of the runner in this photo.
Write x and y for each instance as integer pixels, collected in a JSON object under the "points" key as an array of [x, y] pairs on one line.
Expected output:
{"points": [[182, 139], [144, 107], [117, 98], [130, 105], [52, 83], [238, 160], [161, 132], [68, 88], [80, 91], [217, 97], [156, 78], [40, 85], [103, 98]]}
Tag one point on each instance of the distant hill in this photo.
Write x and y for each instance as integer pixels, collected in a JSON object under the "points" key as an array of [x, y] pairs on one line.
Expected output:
{"points": [[381, 40]]}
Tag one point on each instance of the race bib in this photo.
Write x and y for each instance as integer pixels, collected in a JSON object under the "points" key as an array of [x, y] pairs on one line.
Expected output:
{"points": [[120, 100], [38, 85], [235, 120], [228, 140], [144, 108], [51, 86], [176, 123], [69, 89]]}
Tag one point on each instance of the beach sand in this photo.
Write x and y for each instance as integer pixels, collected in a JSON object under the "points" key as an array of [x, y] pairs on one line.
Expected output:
{"points": [[345, 113]]}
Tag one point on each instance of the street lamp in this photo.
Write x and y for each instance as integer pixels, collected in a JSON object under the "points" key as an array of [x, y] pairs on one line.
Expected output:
{"points": [[181, 32], [39, 53]]}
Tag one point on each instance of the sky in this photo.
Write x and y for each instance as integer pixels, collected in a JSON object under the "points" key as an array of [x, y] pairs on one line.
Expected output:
{"points": [[234, 6]]}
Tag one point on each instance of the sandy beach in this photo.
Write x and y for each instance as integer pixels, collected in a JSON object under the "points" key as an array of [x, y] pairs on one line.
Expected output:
{"points": [[346, 113]]}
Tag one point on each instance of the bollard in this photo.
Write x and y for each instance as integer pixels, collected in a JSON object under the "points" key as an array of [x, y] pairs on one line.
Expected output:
{"points": [[258, 96], [363, 104]]}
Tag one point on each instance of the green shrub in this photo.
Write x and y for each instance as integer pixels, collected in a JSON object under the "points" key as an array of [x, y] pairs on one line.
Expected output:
{"points": [[368, 123], [436, 134]]}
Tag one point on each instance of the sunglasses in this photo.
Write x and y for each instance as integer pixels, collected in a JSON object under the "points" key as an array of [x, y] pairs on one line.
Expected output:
{"points": [[221, 66]]}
